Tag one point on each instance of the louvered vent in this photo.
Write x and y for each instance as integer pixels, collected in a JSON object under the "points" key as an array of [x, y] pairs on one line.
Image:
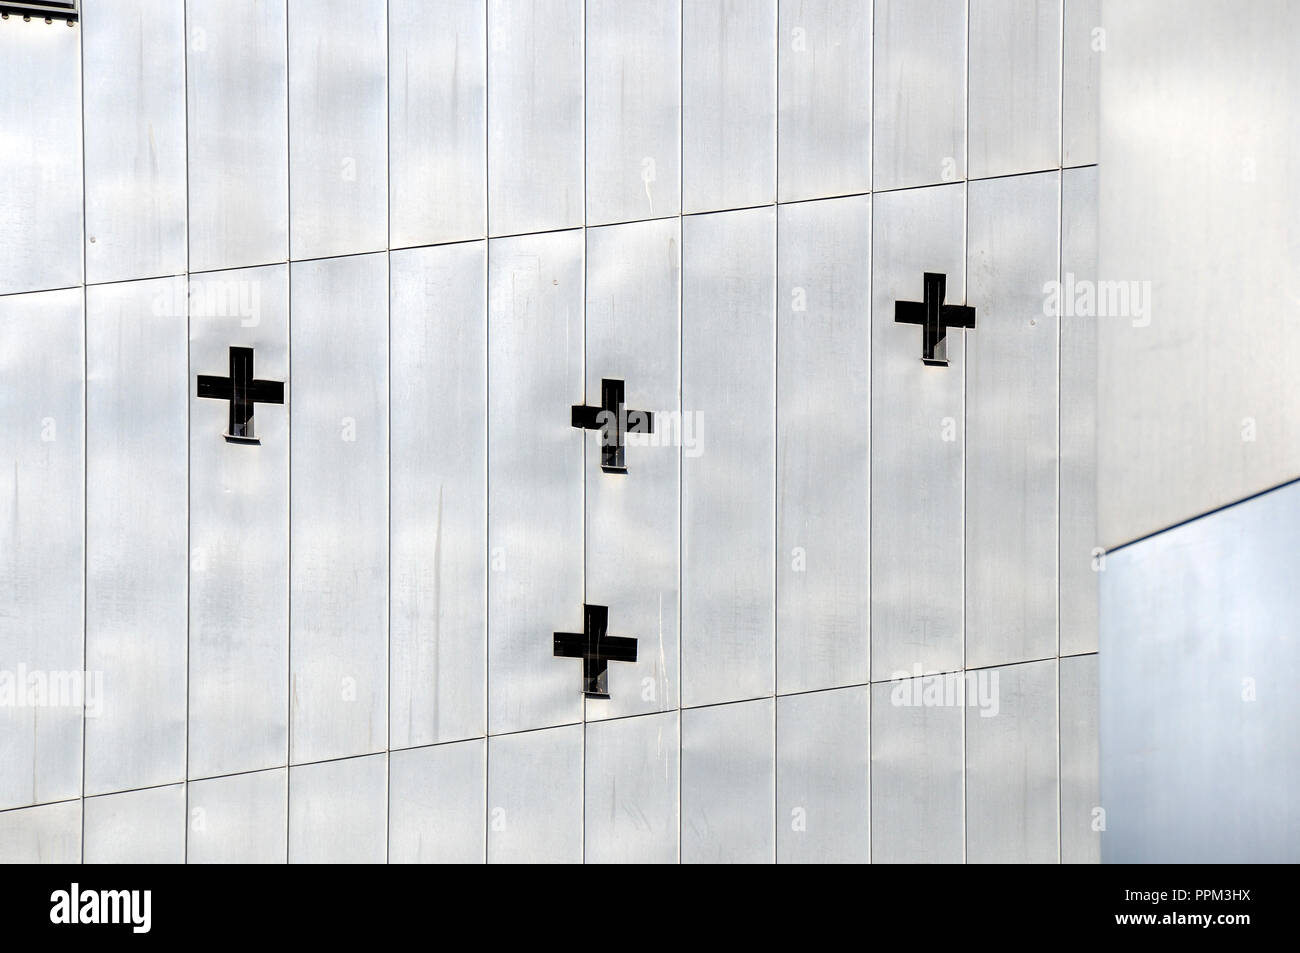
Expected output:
{"points": [[46, 10]]}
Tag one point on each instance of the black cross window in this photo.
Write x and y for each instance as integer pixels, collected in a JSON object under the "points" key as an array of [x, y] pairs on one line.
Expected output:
{"points": [[613, 421], [243, 392], [935, 318], [596, 649]]}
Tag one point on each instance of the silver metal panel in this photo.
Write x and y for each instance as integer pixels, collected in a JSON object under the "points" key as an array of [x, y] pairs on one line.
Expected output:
{"points": [[535, 459], [437, 94], [40, 156], [1015, 86], [824, 51], [631, 787], [438, 489], [535, 797], [42, 518], [1199, 663], [727, 784], [239, 531], [728, 471], [917, 432], [823, 449], [1080, 543], [535, 115], [823, 792], [632, 538], [136, 827], [236, 74], [728, 103], [338, 127], [1011, 408], [1011, 766], [633, 106], [135, 138], [1080, 764], [241, 819], [338, 811], [1084, 42], [916, 771], [920, 92], [436, 805], [339, 486], [48, 834], [136, 517]]}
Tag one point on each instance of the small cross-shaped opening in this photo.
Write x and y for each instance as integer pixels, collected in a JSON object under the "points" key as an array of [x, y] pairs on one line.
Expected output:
{"points": [[935, 319], [596, 649], [243, 392], [613, 421]]}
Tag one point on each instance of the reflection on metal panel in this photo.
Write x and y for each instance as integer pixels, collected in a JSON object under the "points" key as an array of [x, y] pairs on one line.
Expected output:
{"points": [[823, 395], [633, 159], [48, 834], [920, 93], [40, 155], [534, 478], [136, 515], [822, 777], [916, 433], [630, 791], [535, 115], [136, 827], [1015, 86], [42, 483], [1080, 767], [728, 103], [436, 805], [728, 473], [338, 811], [135, 138], [1084, 44], [1011, 408], [727, 784], [238, 133], [241, 819], [339, 488], [825, 98], [535, 797], [633, 335], [437, 485], [437, 97]]}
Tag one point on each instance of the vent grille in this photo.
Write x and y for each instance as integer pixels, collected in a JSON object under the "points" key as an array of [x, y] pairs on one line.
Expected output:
{"points": [[45, 10]]}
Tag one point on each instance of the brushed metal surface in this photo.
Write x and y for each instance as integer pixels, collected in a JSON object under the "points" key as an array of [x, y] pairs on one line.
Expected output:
{"points": [[240, 819], [535, 797], [338, 811], [46, 834], [630, 790], [136, 827], [728, 780], [1083, 44], [1080, 761], [436, 804]]}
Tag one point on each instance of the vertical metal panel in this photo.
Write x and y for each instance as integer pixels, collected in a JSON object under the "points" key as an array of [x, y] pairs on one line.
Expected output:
{"points": [[917, 436], [1011, 765], [338, 127], [48, 834], [40, 156], [824, 50], [727, 784], [1011, 408], [631, 787], [136, 518], [823, 448], [1080, 101], [535, 115], [535, 797], [135, 138], [42, 514], [728, 474], [439, 497], [136, 827], [917, 815], [241, 819], [436, 804], [437, 89], [920, 92], [236, 74], [1015, 86], [632, 538], [338, 811], [535, 507], [1080, 767], [823, 791], [339, 486], [1079, 536], [728, 103], [633, 158], [239, 531]]}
